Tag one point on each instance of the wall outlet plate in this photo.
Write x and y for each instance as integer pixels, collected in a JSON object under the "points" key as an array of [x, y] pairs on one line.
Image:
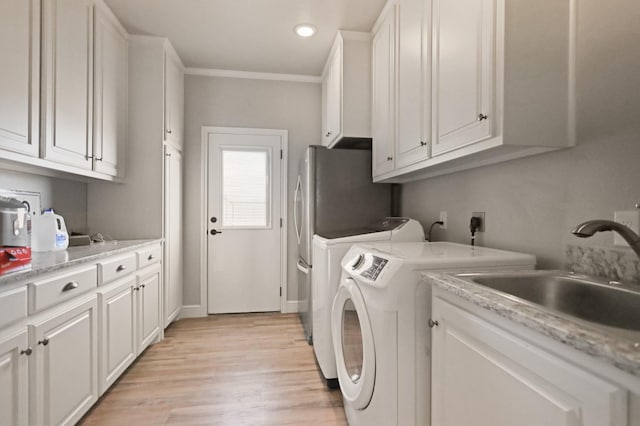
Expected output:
{"points": [[482, 220], [628, 218], [443, 218]]}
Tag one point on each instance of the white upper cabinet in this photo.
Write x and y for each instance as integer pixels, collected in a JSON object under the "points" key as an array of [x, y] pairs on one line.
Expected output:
{"points": [[110, 93], [464, 72], [67, 82], [346, 89], [19, 85], [383, 96], [413, 85], [173, 98], [479, 82]]}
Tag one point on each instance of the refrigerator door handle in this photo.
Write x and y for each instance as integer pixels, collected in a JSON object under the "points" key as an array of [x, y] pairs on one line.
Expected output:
{"points": [[302, 268], [296, 197]]}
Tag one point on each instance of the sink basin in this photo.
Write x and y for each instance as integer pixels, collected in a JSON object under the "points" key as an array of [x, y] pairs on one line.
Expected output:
{"points": [[579, 296]]}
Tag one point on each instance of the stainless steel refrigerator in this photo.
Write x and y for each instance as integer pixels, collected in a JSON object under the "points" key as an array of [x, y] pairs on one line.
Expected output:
{"points": [[334, 196]]}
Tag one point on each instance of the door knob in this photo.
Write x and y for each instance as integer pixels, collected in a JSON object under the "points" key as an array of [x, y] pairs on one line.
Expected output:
{"points": [[214, 232]]}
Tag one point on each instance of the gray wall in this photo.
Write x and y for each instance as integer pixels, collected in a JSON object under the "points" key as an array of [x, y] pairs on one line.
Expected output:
{"points": [[68, 198], [229, 102], [531, 204]]}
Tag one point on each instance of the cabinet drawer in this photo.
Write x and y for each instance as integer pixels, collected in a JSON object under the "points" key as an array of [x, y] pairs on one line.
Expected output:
{"points": [[13, 305], [149, 255], [116, 267], [61, 287]]}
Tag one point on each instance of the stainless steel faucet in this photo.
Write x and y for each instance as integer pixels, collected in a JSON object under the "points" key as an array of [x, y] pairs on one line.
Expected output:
{"points": [[590, 227]]}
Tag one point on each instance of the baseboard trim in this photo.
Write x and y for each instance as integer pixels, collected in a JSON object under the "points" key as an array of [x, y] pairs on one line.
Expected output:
{"points": [[291, 307], [192, 311]]}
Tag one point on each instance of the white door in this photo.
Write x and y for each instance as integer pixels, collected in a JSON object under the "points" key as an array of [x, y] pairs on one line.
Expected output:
{"points": [[14, 351], [173, 240], [245, 173]]}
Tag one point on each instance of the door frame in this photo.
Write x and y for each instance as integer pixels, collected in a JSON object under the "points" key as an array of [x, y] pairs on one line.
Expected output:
{"points": [[204, 203]]}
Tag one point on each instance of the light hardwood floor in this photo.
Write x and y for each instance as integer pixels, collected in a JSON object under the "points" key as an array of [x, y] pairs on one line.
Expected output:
{"points": [[243, 369]]}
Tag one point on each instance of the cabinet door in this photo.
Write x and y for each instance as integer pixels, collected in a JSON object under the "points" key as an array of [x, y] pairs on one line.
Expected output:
{"points": [[485, 376], [20, 85], [149, 307], [117, 331], [174, 101], [110, 95], [65, 378], [413, 82], [463, 72], [332, 88], [13, 378], [173, 235], [383, 96], [68, 81]]}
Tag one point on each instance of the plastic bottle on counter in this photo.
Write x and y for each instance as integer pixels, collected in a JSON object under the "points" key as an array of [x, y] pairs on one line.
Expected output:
{"points": [[48, 232]]}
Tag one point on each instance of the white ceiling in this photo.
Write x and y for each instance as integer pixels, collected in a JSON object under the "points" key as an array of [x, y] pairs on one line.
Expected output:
{"points": [[248, 35]]}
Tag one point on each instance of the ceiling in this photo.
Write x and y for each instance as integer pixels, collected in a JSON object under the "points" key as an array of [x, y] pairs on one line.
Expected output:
{"points": [[248, 35]]}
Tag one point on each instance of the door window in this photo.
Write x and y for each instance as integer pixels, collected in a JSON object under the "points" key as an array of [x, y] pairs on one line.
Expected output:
{"points": [[352, 345], [245, 188]]}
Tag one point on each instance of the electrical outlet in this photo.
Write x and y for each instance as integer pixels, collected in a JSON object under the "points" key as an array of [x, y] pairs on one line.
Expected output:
{"points": [[482, 220], [443, 218], [628, 218]]}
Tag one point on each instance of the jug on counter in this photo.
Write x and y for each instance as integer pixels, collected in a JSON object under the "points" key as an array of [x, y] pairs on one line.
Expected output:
{"points": [[48, 232]]}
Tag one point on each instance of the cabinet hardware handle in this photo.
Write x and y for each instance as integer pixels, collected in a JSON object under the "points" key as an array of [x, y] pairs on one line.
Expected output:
{"points": [[99, 159], [389, 158], [150, 257], [482, 117], [44, 342], [70, 286], [120, 268], [168, 154], [423, 143], [26, 352], [143, 285], [89, 157], [169, 131], [137, 288], [327, 135], [433, 323]]}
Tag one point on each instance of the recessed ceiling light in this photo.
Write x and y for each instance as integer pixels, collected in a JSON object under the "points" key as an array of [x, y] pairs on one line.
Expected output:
{"points": [[305, 30]]}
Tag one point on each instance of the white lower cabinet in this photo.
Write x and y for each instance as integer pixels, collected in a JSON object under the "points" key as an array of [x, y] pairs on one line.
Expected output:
{"points": [[148, 306], [117, 330], [14, 353], [64, 366], [485, 375]]}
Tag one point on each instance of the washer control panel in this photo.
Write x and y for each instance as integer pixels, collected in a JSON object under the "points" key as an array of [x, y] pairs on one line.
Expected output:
{"points": [[374, 269]]}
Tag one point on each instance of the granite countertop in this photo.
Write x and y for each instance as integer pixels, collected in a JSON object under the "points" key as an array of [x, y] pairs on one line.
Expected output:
{"points": [[621, 352], [43, 262]]}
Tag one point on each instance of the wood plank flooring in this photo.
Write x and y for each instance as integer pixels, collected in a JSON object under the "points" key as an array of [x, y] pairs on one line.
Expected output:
{"points": [[242, 369]]}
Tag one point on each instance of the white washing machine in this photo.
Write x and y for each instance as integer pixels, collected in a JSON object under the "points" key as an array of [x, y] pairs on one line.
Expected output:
{"points": [[327, 255], [381, 335]]}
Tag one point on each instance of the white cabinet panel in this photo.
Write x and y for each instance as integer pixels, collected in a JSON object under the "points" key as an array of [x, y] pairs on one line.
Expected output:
{"points": [[148, 306], [14, 353], [413, 83], [486, 376], [173, 235], [20, 85], [383, 96], [65, 376], [110, 95], [332, 91], [173, 100], [68, 81], [117, 331], [464, 72]]}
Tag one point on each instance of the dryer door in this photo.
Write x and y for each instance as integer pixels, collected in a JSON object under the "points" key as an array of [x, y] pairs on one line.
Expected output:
{"points": [[353, 345]]}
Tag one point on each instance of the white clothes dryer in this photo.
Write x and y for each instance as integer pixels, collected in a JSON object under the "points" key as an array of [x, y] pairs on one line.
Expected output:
{"points": [[381, 336], [327, 254]]}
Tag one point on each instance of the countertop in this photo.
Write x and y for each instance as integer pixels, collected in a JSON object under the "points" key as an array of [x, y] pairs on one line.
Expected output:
{"points": [[43, 262], [622, 353]]}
